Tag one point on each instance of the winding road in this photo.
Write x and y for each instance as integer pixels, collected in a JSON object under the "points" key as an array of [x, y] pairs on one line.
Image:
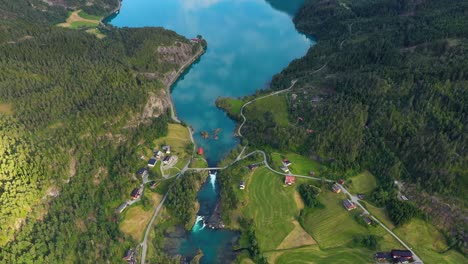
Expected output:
{"points": [[353, 198]]}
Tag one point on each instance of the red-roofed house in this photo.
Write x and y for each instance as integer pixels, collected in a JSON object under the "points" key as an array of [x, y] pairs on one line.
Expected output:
{"points": [[289, 180], [201, 151]]}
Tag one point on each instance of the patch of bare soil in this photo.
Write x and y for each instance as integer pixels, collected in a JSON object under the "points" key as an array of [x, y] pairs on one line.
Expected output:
{"points": [[297, 238]]}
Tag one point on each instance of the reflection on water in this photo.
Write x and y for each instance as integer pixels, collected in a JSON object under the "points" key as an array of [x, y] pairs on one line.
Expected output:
{"points": [[248, 42]]}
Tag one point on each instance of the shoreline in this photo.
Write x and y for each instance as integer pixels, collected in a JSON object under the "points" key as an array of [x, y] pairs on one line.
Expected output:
{"points": [[176, 77]]}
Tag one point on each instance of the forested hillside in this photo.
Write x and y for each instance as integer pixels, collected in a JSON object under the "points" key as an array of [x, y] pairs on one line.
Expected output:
{"points": [[67, 153], [385, 89]]}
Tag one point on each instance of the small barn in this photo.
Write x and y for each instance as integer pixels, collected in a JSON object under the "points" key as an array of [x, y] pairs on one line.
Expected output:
{"points": [[201, 151], [336, 188], [349, 205], [289, 180]]}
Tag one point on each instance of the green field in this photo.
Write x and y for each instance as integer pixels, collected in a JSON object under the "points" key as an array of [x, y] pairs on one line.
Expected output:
{"points": [[231, 105], [257, 109], [379, 213], [299, 164], [313, 254], [198, 163], [428, 242], [272, 207], [178, 138], [364, 182]]}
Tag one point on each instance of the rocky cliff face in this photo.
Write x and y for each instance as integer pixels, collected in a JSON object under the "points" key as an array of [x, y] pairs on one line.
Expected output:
{"points": [[178, 54]]}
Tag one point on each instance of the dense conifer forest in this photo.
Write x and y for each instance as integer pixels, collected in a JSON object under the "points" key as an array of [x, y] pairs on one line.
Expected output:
{"points": [[67, 153], [384, 89]]}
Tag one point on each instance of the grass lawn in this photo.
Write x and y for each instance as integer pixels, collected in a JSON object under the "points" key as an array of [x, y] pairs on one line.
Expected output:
{"points": [[428, 242], [299, 164], [362, 183], [379, 213], [178, 138], [232, 105], [198, 163], [6, 109], [257, 109], [272, 207], [313, 254], [136, 218]]}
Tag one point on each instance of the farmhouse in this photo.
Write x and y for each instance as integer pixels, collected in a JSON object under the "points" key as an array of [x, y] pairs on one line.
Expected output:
{"points": [[121, 207], [340, 181], [136, 193], [285, 169], [152, 162], [289, 180], [286, 162], [401, 255], [143, 172], [383, 256], [367, 220], [349, 205], [167, 149], [168, 159], [242, 185], [336, 188], [158, 154]]}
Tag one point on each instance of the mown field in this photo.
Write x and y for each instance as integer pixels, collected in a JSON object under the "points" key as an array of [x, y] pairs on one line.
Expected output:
{"points": [[259, 108], [136, 217], [330, 231], [272, 207]]}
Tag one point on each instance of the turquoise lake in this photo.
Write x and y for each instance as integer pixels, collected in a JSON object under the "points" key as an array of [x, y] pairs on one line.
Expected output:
{"points": [[249, 41]]}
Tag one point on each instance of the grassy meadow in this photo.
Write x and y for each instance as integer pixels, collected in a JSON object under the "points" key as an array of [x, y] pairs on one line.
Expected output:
{"points": [[429, 243], [257, 109], [364, 183], [136, 218]]}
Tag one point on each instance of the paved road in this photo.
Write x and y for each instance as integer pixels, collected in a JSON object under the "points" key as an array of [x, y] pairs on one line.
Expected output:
{"points": [[355, 200], [144, 244]]}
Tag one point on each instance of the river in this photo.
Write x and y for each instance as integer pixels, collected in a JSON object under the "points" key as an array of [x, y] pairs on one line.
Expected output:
{"points": [[248, 42]]}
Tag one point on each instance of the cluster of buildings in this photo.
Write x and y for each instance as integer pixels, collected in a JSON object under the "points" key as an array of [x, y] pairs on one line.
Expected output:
{"points": [[163, 155], [395, 256]]}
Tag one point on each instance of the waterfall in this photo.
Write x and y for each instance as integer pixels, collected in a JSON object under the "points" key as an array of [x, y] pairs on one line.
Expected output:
{"points": [[197, 226], [213, 179]]}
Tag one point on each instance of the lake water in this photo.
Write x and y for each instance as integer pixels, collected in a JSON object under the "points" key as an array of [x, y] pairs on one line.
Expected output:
{"points": [[248, 42]]}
